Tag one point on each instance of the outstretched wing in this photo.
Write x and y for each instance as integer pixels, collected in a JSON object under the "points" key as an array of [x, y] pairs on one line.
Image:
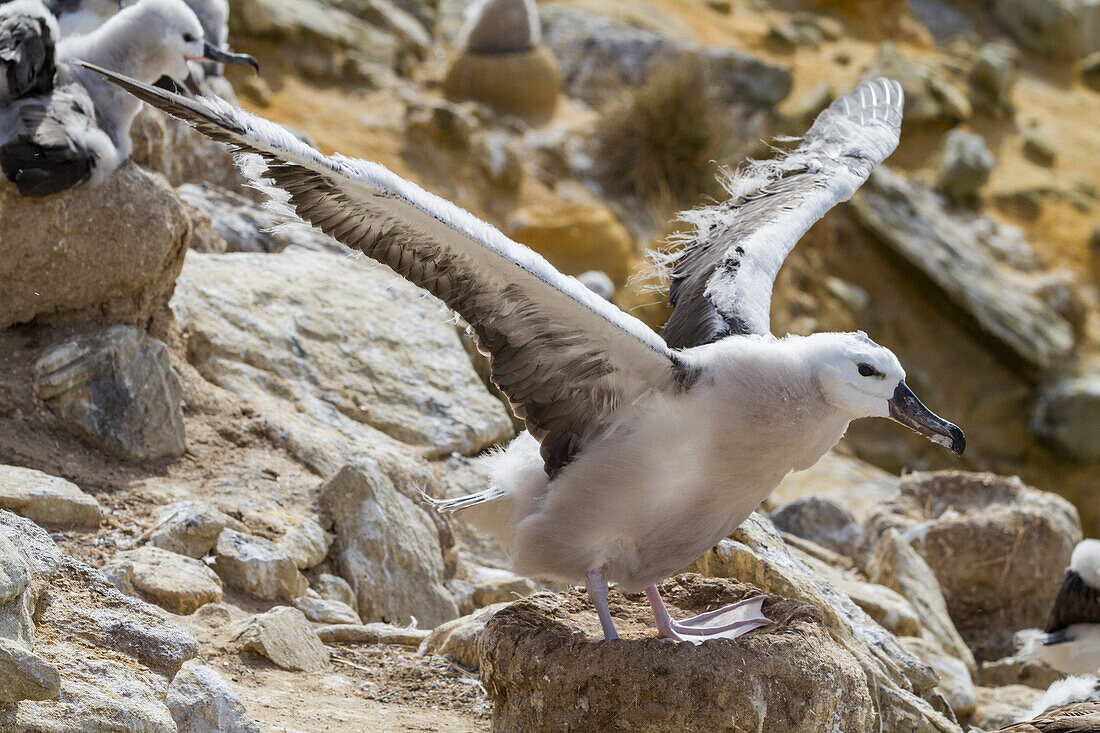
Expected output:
{"points": [[28, 34], [565, 358], [1076, 603], [721, 281]]}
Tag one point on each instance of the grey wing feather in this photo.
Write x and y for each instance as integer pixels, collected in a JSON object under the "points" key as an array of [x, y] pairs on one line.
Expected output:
{"points": [[1076, 603], [721, 280], [565, 358]]}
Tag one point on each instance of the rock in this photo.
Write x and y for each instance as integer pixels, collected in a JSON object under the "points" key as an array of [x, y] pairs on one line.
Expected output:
{"points": [[643, 683], [182, 154], [856, 485], [964, 164], [304, 540], [1047, 26], [1090, 68], [575, 235], [335, 588], [1038, 148], [190, 528], [896, 565], [599, 283], [202, 702], [48, 243], [994, 74], [257, 566], [956, 684], [820, 520], [388, 546], [30, 562], [229, 222], [956, 253], [284, 636], [329, 379], [177, 583], [598, 57], [930, 94], [999, 706], [14, 575], [405, 19], [1065, 418], [457, 639], [24, 675], [901, 685], [1018, 671], [492, 586], [373, 633], [46, 499], [325, 611], [524, 83], [500, 27], [971, 529], [320, 41], [117, 391]]}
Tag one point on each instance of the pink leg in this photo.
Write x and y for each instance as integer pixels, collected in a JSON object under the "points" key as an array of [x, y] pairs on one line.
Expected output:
{"points": [[728, 622], [597, 591]]}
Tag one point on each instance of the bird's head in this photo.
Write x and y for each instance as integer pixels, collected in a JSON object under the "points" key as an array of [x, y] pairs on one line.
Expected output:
{"points": [[166, 35], [863, 379], [1085, 561]]}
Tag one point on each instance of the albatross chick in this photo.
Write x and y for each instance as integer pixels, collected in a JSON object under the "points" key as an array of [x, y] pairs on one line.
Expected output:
{"points": [[641, 452]]}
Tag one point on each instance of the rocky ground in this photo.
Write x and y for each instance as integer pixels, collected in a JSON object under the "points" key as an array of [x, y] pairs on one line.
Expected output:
{"points": [[214, 436]]}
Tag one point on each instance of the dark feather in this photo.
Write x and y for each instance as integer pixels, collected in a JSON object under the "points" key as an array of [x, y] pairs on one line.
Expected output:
{"points": [[48, 158], [1076, 603], [27, 55]]}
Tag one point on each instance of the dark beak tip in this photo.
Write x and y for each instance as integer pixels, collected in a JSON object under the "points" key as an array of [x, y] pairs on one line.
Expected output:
{"points": [[958, 440]]}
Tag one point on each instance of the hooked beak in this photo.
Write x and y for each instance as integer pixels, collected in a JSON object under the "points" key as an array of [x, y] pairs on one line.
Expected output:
{"points": [[213, 54], [906, 409]]}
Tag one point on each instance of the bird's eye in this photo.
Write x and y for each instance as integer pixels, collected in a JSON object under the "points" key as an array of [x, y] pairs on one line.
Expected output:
{"points": [[189, 38], [866, 370]]}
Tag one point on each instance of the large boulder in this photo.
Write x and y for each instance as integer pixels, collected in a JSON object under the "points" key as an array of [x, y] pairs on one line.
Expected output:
{"points": [[117, 391], [823, 521], [257, 566], [335, 355], [997, 547], [108, 253], [202, 702], [856, 485], [177, 583], [958, 255], [285, 637], [1065, 418], [1047, 26], [599, 56], [500, 26], [45, 499], [190, 528], [388, 545], [546, 667], [964, 165]]}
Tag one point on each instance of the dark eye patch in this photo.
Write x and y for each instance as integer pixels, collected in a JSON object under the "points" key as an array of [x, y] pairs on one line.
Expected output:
{"points": [[189, 38], [866, 370]]}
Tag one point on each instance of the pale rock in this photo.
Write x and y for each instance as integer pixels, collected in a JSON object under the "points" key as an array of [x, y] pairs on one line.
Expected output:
{"points": [[46, 499], [14, 575], [1039, 148], [331, 380], [117, 391], [856, 485], [285, 637], [257, 566], [1018, 670], [896, 565], [599, 56], [956, 683], [957, 253], [31, 560], [1047, 26], [965, 163], [998, 549], [49, 243], [930, 94], [174, 582], [647, 684], [303, 540], [373, 633], [326, 611], [181, 153], [823, 521], [996, 707], [491, 586], [335, 588], [388, 546], [994, 74], [190, 528], [202, 702], [524, 83], [902, 685], [458, 637], [24, 675]]}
